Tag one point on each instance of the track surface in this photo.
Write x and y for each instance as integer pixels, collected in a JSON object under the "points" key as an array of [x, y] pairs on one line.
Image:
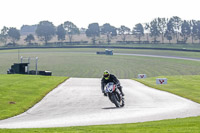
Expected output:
{"points": [[79, 102], [161, 56]]}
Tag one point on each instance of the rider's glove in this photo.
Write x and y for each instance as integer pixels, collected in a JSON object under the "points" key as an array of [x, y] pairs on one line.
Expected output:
{"points": [[104, 93]]}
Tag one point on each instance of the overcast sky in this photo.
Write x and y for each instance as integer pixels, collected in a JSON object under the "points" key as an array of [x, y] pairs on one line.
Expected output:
{"points": [[15, 13]]}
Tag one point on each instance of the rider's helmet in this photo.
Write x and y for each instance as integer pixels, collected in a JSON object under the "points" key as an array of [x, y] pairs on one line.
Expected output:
{"points": [[106, 74]]}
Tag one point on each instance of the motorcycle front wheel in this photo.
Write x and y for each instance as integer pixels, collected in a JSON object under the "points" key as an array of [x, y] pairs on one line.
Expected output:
{"points": [[116, 100]]}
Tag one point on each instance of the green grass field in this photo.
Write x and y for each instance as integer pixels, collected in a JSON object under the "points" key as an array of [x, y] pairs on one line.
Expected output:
{"points": [[62, 62], [185, 86], [20, 92]]}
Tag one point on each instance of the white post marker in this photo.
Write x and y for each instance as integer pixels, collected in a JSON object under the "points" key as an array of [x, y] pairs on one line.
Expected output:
{"points": [[161, 81], [28, 60], [36, 63], [142, 76]]}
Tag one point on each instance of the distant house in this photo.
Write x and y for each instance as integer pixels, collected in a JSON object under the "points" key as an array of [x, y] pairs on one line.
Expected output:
{"points": [[82, 30], [28, 29]]}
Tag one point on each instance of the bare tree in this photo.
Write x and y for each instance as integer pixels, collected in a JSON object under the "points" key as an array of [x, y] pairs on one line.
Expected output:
{"points": [[162, 25], [123, 31], [177, 22], [71, 29]]}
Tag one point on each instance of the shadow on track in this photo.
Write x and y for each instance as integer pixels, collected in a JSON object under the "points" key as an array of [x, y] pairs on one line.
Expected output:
{"points": [[111, 108]]}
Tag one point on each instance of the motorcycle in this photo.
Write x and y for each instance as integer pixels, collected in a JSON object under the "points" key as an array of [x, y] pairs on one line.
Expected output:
{"points": [[114, 94]]}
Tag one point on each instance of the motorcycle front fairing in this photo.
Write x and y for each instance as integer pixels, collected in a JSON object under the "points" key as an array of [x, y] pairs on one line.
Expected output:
{"points": [[111, 89]]}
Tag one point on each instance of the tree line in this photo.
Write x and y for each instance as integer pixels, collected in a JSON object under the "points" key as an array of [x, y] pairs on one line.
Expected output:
{"points": [[173, 28]]}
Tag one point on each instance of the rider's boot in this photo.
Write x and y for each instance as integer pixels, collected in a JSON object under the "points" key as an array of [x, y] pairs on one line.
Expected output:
{"points": [[120, 88]]}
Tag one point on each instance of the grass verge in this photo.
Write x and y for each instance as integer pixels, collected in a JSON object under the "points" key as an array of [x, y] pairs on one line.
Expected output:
{"points": [[20, 92], [184, 86], [187, 125], [181, 85]]}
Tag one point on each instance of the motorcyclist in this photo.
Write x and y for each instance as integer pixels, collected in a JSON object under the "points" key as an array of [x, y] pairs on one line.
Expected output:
{"points": [[107, 77]]}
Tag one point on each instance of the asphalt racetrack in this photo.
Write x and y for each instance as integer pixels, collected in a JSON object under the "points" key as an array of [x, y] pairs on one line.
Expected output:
{"points": [[79, 102]]}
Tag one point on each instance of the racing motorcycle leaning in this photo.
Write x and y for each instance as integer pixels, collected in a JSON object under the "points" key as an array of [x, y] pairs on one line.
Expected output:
{"points": [[114, 94]]}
